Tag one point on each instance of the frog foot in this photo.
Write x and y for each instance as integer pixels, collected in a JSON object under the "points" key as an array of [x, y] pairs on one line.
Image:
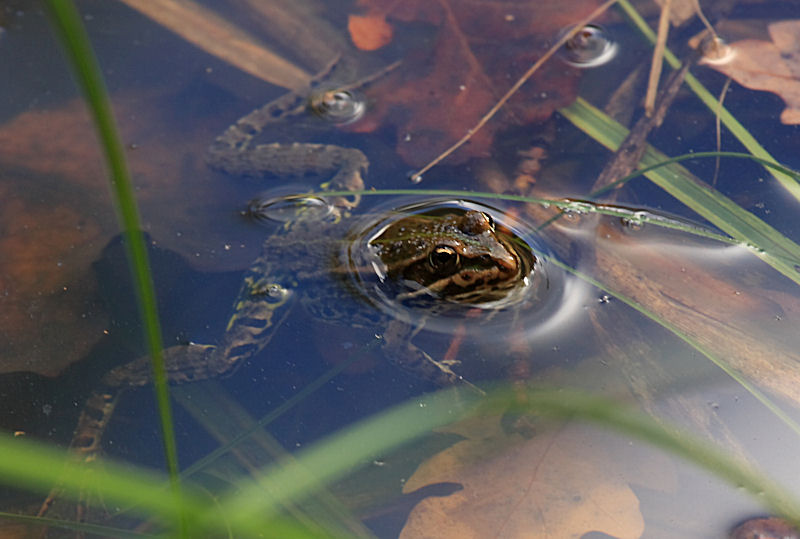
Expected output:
{"points": [[85, 446]]}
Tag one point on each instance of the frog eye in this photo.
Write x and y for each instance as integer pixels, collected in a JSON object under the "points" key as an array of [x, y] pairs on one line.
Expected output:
{"points": [[443, 258]]}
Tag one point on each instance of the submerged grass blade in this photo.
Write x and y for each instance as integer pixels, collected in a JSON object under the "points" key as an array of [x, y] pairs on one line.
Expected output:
{"points": [[87, 73], [739, 378], [344, 451], [738, 130], [383, 432], [571, 404], [766, 242]]}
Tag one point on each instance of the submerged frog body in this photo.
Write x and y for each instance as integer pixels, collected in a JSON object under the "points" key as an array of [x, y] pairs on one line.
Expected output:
{"points": [[449, 258]]}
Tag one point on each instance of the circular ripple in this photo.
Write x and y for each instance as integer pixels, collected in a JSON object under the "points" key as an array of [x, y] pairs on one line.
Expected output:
{"points": [[337, 106], [590, 47], [536, 288]]}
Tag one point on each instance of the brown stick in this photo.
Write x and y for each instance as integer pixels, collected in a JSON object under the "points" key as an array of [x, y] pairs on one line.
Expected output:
{"points": [[658, 59], [630, 152]]}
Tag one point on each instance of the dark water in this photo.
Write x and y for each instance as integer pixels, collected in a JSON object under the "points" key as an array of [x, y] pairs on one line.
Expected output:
{"points": [[172, 100]]}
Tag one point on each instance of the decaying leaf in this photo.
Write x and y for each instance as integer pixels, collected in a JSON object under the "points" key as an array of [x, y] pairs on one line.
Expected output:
{"points": [[369, 32], [56, 216], [561, 483], [49, 315], [769, 66], [477, 52]]}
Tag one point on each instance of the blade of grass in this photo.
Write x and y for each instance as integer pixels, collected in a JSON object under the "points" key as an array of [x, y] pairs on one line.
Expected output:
{"points": [[356, 446], [78, 49], [343, 451], [571, 404], [688, 339], [738, 130], [36, 466], [767, 243]]}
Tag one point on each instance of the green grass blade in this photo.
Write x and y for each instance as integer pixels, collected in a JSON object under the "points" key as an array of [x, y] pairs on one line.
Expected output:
{"points": [[345, 450], [723, 365], [87, 73], [767, 243], [379, 434], [36, 467], [571, 404], [727, 119]]}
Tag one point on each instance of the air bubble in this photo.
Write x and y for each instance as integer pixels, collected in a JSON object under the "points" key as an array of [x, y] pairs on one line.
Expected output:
{"points": [[590, 47], [634, 223], [337, 106], [577, 207], [415, 178]]}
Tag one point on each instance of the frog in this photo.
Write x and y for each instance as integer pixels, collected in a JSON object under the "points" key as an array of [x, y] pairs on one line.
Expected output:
{"points": [[445, 259]]}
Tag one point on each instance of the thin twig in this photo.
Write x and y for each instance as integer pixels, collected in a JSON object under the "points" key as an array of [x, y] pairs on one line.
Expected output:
{"points": [[517, 85], [658, 59], [705, 21], [630, 152]]}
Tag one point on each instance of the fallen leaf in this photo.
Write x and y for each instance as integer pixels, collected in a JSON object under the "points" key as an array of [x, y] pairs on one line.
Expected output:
{"points": [[769, 66], [680, 11], [561, 483], [477, 50], [56, 216], [369, 32]]}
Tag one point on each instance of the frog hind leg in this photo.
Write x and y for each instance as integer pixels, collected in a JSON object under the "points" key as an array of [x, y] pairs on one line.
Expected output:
{"points": [[98, 409], [85, 444], [248, 332], [233, 152]]}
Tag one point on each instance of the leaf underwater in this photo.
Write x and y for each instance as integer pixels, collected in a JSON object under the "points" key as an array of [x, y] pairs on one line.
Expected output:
{"points": [[447, 83], [564, 482], [768, 66]]}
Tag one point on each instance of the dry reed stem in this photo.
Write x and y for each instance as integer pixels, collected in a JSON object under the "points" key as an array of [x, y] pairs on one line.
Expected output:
{"points": [[658, 59], [216, 36]]}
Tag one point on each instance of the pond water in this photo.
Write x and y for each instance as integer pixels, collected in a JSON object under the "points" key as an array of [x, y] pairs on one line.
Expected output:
{"points": [[678, 302]]}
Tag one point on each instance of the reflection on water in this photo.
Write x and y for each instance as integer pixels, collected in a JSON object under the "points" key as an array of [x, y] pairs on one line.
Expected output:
{"points": [[640, 306]]}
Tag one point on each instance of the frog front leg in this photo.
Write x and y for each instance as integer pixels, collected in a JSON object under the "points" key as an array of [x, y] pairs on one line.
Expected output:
{"points": [[398, 348], [260, 307]]}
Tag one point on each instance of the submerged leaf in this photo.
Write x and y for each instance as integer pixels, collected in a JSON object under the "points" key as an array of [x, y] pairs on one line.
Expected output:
{"points": [[369, 32], [770, 66], [476, 51], [561, 483]]}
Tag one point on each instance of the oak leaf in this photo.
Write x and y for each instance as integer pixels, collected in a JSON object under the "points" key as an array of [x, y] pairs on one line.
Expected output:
{"points": [[560, 483], [770, 66]]}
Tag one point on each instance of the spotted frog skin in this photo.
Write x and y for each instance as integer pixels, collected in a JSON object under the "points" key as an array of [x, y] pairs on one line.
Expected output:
{"points": [[449, 259]]}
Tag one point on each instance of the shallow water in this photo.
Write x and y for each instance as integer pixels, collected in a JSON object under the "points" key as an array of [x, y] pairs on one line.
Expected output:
{"points": [[646, 315]]}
